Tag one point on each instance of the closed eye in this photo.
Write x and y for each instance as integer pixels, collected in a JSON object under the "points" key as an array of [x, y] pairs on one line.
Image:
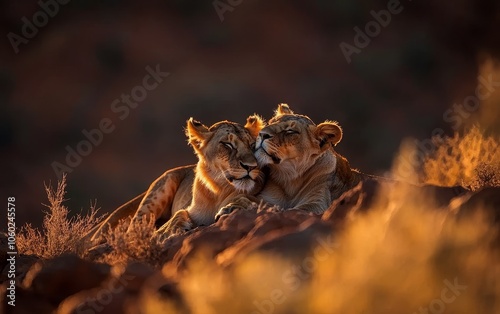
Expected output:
{"points": [[290, 132], [228, 145]]}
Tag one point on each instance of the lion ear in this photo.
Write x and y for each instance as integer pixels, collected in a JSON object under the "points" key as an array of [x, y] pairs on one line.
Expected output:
{"points": [[196, 132], [282, 109], [254, 124], [328, 132]]}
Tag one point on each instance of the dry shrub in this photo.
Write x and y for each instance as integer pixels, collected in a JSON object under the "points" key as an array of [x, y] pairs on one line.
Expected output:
{"points": [[472, 160], [60, 234], [486, 176], [401, 257], [137, 243]]}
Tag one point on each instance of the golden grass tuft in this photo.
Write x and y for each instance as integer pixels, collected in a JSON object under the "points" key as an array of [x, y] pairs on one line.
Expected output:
{"points": [[472, 160], [139, 243], [59, 234]]}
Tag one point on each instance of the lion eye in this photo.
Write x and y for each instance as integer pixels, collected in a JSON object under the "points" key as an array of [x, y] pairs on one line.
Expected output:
{"points": [[290, 132], [228, 145]]}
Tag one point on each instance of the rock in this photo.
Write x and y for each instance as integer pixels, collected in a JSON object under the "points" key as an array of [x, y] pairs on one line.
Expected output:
{"points": [[23, 265], [268, 221], [363, 196], [358, 199], [486, 199], [238, 231], [443, 195], [211, 240], [27, 302], [66, 275], [135, 275], [290, 243], [347, 205], [107, 299], [98, 251], [241, 220], [123, 293]]}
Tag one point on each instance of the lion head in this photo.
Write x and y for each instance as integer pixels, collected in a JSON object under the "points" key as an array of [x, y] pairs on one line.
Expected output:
{"points": [[291, 143], [225, 153]]}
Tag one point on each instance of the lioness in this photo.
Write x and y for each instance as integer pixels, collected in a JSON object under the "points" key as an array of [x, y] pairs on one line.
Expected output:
{"points": [[225, 168], [305, 172], [226, 174]]}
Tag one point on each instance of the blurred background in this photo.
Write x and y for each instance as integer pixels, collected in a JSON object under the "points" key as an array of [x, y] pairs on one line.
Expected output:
{"points": [[227, 59]]}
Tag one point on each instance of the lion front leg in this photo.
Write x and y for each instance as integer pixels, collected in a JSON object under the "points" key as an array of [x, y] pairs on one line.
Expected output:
{"points": [[179, 223], [239, 202]]}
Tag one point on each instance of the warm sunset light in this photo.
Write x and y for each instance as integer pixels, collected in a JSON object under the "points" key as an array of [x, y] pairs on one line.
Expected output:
{"points": [[256, 157]]}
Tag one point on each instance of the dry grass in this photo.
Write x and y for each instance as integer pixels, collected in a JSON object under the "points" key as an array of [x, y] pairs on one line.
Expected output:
{"points": [[472, 160], [59, 234], [140, 243]]}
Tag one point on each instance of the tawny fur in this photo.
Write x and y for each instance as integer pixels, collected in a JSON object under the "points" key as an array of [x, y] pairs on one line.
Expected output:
{"points": [[173, 190], [226, 170], [305, 172]]}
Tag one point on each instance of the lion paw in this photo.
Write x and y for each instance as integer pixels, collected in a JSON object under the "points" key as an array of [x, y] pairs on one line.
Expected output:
{"points": [[226, 210], [178, 224]]}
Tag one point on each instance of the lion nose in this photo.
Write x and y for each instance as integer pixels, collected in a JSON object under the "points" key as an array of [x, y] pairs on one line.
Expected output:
{"points": [[264, 135], [248, 167]]}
